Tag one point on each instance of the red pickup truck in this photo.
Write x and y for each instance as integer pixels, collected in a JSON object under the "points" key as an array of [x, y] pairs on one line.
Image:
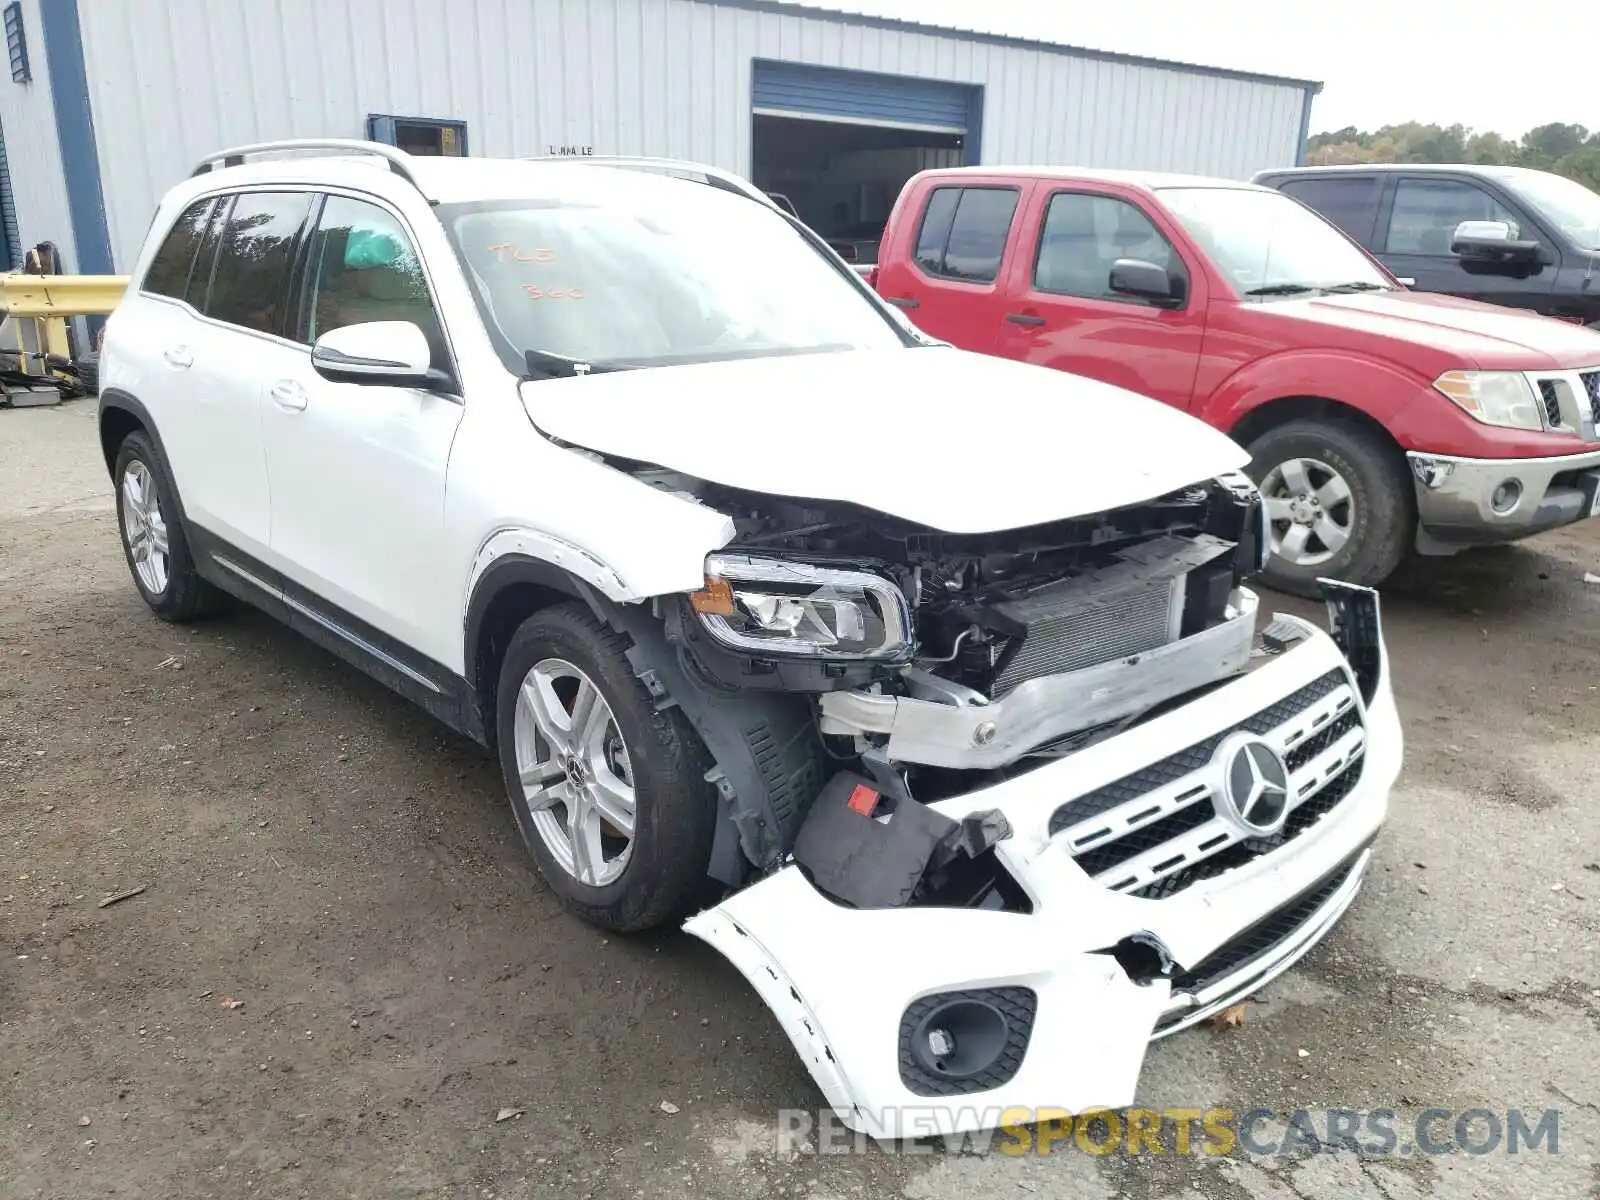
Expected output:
{"points": [[1380, 421]]}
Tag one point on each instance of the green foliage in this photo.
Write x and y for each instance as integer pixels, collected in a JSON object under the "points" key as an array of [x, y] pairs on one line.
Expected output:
{"points": [[1569, 150]]}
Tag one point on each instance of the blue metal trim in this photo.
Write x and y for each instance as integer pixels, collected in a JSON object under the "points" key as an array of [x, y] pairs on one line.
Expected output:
{"points": [[864, 95], [972, 144], [789, 8], [1305, 129], [80, 161]]}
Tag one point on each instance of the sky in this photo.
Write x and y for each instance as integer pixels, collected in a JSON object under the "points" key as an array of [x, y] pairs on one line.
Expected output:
{"points": [[1482, 64]]}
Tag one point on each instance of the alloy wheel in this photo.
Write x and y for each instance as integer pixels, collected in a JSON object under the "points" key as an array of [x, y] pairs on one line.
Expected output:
{"points": [[575, 771], [1310, 511], [145, 527]]}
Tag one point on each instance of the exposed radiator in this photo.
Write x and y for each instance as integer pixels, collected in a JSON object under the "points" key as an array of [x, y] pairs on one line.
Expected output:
{"points": [[1129, 607]]}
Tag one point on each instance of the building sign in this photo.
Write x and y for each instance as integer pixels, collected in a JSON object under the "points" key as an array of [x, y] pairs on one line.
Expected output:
{"points": [[570, 151]]}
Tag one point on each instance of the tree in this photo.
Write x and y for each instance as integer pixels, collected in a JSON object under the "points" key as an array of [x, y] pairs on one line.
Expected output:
{"points": [[1567, 149]]}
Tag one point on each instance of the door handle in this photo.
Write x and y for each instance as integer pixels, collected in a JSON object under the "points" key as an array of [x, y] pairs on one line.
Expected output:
{"points": [[904, 301], [1024, 319], [288, 394], [179, 356]]}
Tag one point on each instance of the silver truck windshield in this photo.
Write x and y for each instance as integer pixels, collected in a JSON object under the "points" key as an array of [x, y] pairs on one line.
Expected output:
{"points": [[1269, 245], [646, 276]]}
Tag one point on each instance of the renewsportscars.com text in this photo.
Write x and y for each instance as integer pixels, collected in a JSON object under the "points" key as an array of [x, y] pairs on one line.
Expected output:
{"points": [[1378, 1132]]}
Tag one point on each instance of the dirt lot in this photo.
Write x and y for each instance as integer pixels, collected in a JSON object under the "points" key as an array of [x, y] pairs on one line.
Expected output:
{"points": [[343, 967]]}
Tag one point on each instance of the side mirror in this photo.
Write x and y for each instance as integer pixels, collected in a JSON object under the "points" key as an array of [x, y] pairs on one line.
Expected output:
{"points": [[1135, 277], [389, 353], [1494, 242]]}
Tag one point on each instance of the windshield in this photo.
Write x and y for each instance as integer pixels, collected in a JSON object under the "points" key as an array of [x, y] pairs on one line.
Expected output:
{"points": [[1563, 202], [1268, 244], [652, 273]]}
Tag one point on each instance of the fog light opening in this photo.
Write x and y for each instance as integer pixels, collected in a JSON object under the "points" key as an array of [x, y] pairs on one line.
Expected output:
{"points": [[960, 1038], [1506, 496]]}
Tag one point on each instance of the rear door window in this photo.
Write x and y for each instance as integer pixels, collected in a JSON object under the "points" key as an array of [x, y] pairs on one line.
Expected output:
{"points": [[1349, 201], [964, 231], [1427, 211], [174, 262], [934, 235], [249, 282]]}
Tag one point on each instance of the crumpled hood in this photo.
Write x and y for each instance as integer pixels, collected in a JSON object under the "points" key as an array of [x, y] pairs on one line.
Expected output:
{"points": [[1465, 332], [961, 442]]}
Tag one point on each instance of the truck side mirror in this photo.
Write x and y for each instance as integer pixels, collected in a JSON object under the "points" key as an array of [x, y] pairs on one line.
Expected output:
{"points": [[1136, 277], [1495, 244]]}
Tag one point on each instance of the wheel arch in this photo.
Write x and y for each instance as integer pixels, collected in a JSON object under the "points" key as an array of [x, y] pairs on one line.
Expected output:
{"points": [[505, 594], [1284, 409], [122, 413]]}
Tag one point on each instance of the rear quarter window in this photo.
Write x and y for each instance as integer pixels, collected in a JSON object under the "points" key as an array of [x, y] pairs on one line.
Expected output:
{"points": [[169, 270], [964, 230], [1350, 202]]}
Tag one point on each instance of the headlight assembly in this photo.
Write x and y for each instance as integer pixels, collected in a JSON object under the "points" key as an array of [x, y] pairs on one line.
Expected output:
{"points": [[776, 606], [1493, 397]]}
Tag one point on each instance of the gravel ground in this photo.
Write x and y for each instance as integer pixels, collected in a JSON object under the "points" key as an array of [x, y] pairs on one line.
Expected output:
{"points": [[343, 968]]}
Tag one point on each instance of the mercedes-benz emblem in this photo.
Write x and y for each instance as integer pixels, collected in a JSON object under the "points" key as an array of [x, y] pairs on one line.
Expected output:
{"points": [[1253, 791]]}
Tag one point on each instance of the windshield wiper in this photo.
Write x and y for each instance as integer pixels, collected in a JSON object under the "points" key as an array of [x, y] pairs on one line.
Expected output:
{"points": [[544, 365], [1282, 289], [1357, 286]]}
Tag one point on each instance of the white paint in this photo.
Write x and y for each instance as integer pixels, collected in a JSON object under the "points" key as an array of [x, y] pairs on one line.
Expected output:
{"points": [[171, 80], [390, 502], [33, 152], [856, 970], [832, 427]]}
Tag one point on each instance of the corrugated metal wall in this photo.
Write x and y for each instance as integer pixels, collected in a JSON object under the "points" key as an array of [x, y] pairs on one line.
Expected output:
{"points": [[27, 118], [173, 79]]}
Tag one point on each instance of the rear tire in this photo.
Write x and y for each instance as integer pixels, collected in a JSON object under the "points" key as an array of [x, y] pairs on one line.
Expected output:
{"points": [[1339, 504], [153, 541], [619, 815]]}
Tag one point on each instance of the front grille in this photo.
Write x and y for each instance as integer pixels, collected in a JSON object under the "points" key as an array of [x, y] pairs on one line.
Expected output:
{"points": [[1552, 402], [1591, 385], [1260, 942], [1260, 939], [1157, 831]]}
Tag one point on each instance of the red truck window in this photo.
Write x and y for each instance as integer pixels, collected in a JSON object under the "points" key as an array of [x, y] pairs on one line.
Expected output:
{"points": [[963, 232], [1084, 235]]}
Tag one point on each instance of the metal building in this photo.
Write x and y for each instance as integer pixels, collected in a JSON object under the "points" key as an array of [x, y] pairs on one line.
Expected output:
{"points": [[114, 101]]}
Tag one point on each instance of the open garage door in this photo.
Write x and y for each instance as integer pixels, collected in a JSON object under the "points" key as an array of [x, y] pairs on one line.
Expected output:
{"points": [[841, 144]]}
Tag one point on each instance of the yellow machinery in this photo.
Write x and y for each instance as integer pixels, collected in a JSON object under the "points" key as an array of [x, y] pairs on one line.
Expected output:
{"points": [[36, 349]]}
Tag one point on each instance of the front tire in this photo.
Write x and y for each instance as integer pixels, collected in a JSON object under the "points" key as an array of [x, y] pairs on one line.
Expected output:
{"points": [[1338, 504], [153, 540], [609, 792]]}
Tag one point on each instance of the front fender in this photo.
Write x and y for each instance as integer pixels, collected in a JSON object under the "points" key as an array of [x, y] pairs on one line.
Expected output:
{"points": [[1398, 399], [1402, 401]]}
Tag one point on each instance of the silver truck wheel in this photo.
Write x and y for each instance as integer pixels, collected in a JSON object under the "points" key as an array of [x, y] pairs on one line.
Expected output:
{"points": [[1310, 510]]}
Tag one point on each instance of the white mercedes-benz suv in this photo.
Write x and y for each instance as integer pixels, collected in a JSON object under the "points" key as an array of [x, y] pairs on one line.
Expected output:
{"points": [[925, 684]]}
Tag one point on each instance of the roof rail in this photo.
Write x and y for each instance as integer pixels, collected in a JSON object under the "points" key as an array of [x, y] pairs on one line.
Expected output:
{"points": [[398, 159], [677, 167]]}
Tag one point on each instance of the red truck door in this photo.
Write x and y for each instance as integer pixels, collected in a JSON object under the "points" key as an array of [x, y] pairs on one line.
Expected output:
{"points": [[1057, 307], [943, 262]]}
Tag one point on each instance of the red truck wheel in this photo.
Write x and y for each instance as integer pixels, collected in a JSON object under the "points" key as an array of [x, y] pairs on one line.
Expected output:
{"points": [[1337, 504]]}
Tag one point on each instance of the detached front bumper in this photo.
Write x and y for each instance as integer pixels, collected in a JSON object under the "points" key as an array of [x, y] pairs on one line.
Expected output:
{"points": [[850, 985], [1472, 501]]}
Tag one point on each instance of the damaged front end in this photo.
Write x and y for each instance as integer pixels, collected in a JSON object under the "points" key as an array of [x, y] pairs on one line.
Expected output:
{"points": [[1000, 808]]}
